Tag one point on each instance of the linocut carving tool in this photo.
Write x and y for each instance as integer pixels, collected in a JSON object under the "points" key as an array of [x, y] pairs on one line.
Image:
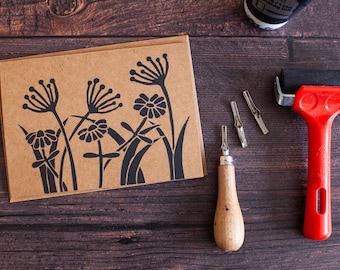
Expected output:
{"points": [[255, 111], [228, 221], [238, 124], [316, 96]]}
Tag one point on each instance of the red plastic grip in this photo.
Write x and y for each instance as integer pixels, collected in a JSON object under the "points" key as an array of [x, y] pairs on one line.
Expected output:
{"points": [[318, 105]]}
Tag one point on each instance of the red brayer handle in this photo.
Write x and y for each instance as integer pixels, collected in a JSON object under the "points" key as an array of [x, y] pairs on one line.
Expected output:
{"points": [[318, 105]]}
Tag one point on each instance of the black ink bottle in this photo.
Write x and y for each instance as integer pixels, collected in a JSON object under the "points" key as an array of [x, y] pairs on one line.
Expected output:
{"points": [[272, 14]]}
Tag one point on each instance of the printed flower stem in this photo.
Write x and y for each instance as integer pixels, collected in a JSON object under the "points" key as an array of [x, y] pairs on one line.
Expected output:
{"points": [[155, 73], [64, 152], [68, 147], [100, 155], [171, 118]]}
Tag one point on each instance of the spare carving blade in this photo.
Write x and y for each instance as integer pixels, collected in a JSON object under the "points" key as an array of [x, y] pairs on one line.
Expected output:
{"points": [[255, 111], [238, 124]]}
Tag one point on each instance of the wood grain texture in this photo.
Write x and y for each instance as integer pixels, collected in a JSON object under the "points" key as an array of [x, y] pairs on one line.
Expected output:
{"points": [[170, 226], [153, 18]]}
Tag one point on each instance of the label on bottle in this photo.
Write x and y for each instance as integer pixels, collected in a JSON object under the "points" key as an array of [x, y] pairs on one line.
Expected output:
{"points": [[278, 9], [272, 14]]}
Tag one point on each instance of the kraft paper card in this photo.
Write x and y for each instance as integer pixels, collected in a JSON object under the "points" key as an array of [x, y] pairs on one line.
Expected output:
{"points": [[100, 118]]}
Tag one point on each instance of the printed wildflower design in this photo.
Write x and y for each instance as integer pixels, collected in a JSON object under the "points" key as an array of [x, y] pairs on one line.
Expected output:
{"points": [[46, 101], [155, 73], [95, 132], [137, 146], [51, 150], [98, 101], [44, 144], [152, 107], [41, 138]]}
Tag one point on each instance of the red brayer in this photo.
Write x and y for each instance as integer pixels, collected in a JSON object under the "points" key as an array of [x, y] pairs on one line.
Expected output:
{"points": [[315, 95]]}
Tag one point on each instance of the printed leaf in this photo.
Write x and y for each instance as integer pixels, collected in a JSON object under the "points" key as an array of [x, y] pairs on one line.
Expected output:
{"points": [[64, 187], [130, 153], [140, 177], [90, 155], [53, 154], [134, 168], [146, 139], [127, 126], [114, 135], [111, 155], [24, 130], [178, 155], [144, 131]]}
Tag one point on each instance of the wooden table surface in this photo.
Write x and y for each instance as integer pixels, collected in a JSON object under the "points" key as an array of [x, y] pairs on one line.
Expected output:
{"points": [[170, 226]]}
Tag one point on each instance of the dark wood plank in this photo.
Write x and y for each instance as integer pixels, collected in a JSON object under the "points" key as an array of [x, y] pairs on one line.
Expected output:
{"points": [[170, 226], [154, 18]]}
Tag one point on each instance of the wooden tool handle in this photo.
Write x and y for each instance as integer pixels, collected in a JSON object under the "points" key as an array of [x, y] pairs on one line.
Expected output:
{"points": [[228, 223]]}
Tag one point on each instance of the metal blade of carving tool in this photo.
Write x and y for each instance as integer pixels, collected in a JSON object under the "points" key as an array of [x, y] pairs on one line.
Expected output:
{"points": [[224, 144], [238, 124], [255, 111]]}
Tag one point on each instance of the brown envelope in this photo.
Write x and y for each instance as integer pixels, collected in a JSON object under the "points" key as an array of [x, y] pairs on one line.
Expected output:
{"points": [[100, 118]]}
